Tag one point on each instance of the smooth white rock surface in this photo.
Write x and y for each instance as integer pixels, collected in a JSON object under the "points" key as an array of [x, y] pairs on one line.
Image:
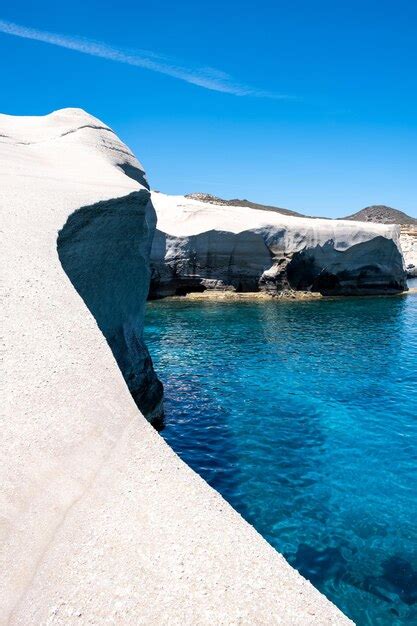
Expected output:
{"points": [[101, 523]]}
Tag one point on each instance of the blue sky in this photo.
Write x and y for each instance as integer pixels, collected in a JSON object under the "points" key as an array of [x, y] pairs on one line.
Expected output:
{"points": [[310, 105]]}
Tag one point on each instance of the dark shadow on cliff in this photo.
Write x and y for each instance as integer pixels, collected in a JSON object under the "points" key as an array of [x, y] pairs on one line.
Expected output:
{"points": [[134, 173], [246, 262], [367, 268], [213, 259], [104, 249]]}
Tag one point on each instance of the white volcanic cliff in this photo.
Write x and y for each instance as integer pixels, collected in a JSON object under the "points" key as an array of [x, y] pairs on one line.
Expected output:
{"points": [[101, 523], [408, 240], [199, 245], [104, 244]]}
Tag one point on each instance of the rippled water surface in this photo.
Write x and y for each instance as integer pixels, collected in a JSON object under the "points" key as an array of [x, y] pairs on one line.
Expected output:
{"points": [[303, 415]]}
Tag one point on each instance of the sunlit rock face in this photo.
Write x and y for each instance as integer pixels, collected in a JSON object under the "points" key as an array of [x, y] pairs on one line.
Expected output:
{"points": [[73, 176], [408, 241], [200, 246]]}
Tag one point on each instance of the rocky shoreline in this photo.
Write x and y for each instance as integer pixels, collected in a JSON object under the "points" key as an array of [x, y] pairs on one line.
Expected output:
{"points": [[285, 296], [233, 296]]}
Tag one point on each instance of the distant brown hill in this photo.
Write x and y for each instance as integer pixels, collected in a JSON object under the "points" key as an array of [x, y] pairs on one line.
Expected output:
{"points": [[382, 215], [207, 197], [378, 213]]}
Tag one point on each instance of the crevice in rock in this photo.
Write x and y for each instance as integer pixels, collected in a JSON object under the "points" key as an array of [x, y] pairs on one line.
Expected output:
{"points": [[93, 126], [67, 132], [134, 173]]}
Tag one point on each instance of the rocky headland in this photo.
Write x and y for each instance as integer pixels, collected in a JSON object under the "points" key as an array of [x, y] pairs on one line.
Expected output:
{"points": [[203, 243]]}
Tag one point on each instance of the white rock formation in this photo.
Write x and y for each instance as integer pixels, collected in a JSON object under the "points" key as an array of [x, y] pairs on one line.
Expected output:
{"points": [[101, 523], [99, 250], [200, 246], [408, 240]]}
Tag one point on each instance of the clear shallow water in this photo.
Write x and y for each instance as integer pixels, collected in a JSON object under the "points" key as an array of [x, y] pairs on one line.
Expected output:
{"points": [[303, 415]]}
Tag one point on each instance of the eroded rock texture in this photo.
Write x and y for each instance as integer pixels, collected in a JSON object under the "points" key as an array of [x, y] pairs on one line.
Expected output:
{"points": [[408, 241], [201, 246]]}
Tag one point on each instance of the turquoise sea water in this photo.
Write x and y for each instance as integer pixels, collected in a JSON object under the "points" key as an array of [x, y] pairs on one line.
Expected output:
{"points": [[303, 415]]}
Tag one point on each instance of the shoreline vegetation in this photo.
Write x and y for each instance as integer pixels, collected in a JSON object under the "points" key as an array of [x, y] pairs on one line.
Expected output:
{"points": [[233, 296]]}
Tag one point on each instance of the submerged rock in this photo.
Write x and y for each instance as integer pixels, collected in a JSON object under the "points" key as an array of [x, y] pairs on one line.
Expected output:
{"points": [[201, 245]]}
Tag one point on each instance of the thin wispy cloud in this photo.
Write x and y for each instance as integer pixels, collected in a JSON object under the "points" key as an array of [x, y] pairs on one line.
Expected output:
{"points": [[206, 77]]}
